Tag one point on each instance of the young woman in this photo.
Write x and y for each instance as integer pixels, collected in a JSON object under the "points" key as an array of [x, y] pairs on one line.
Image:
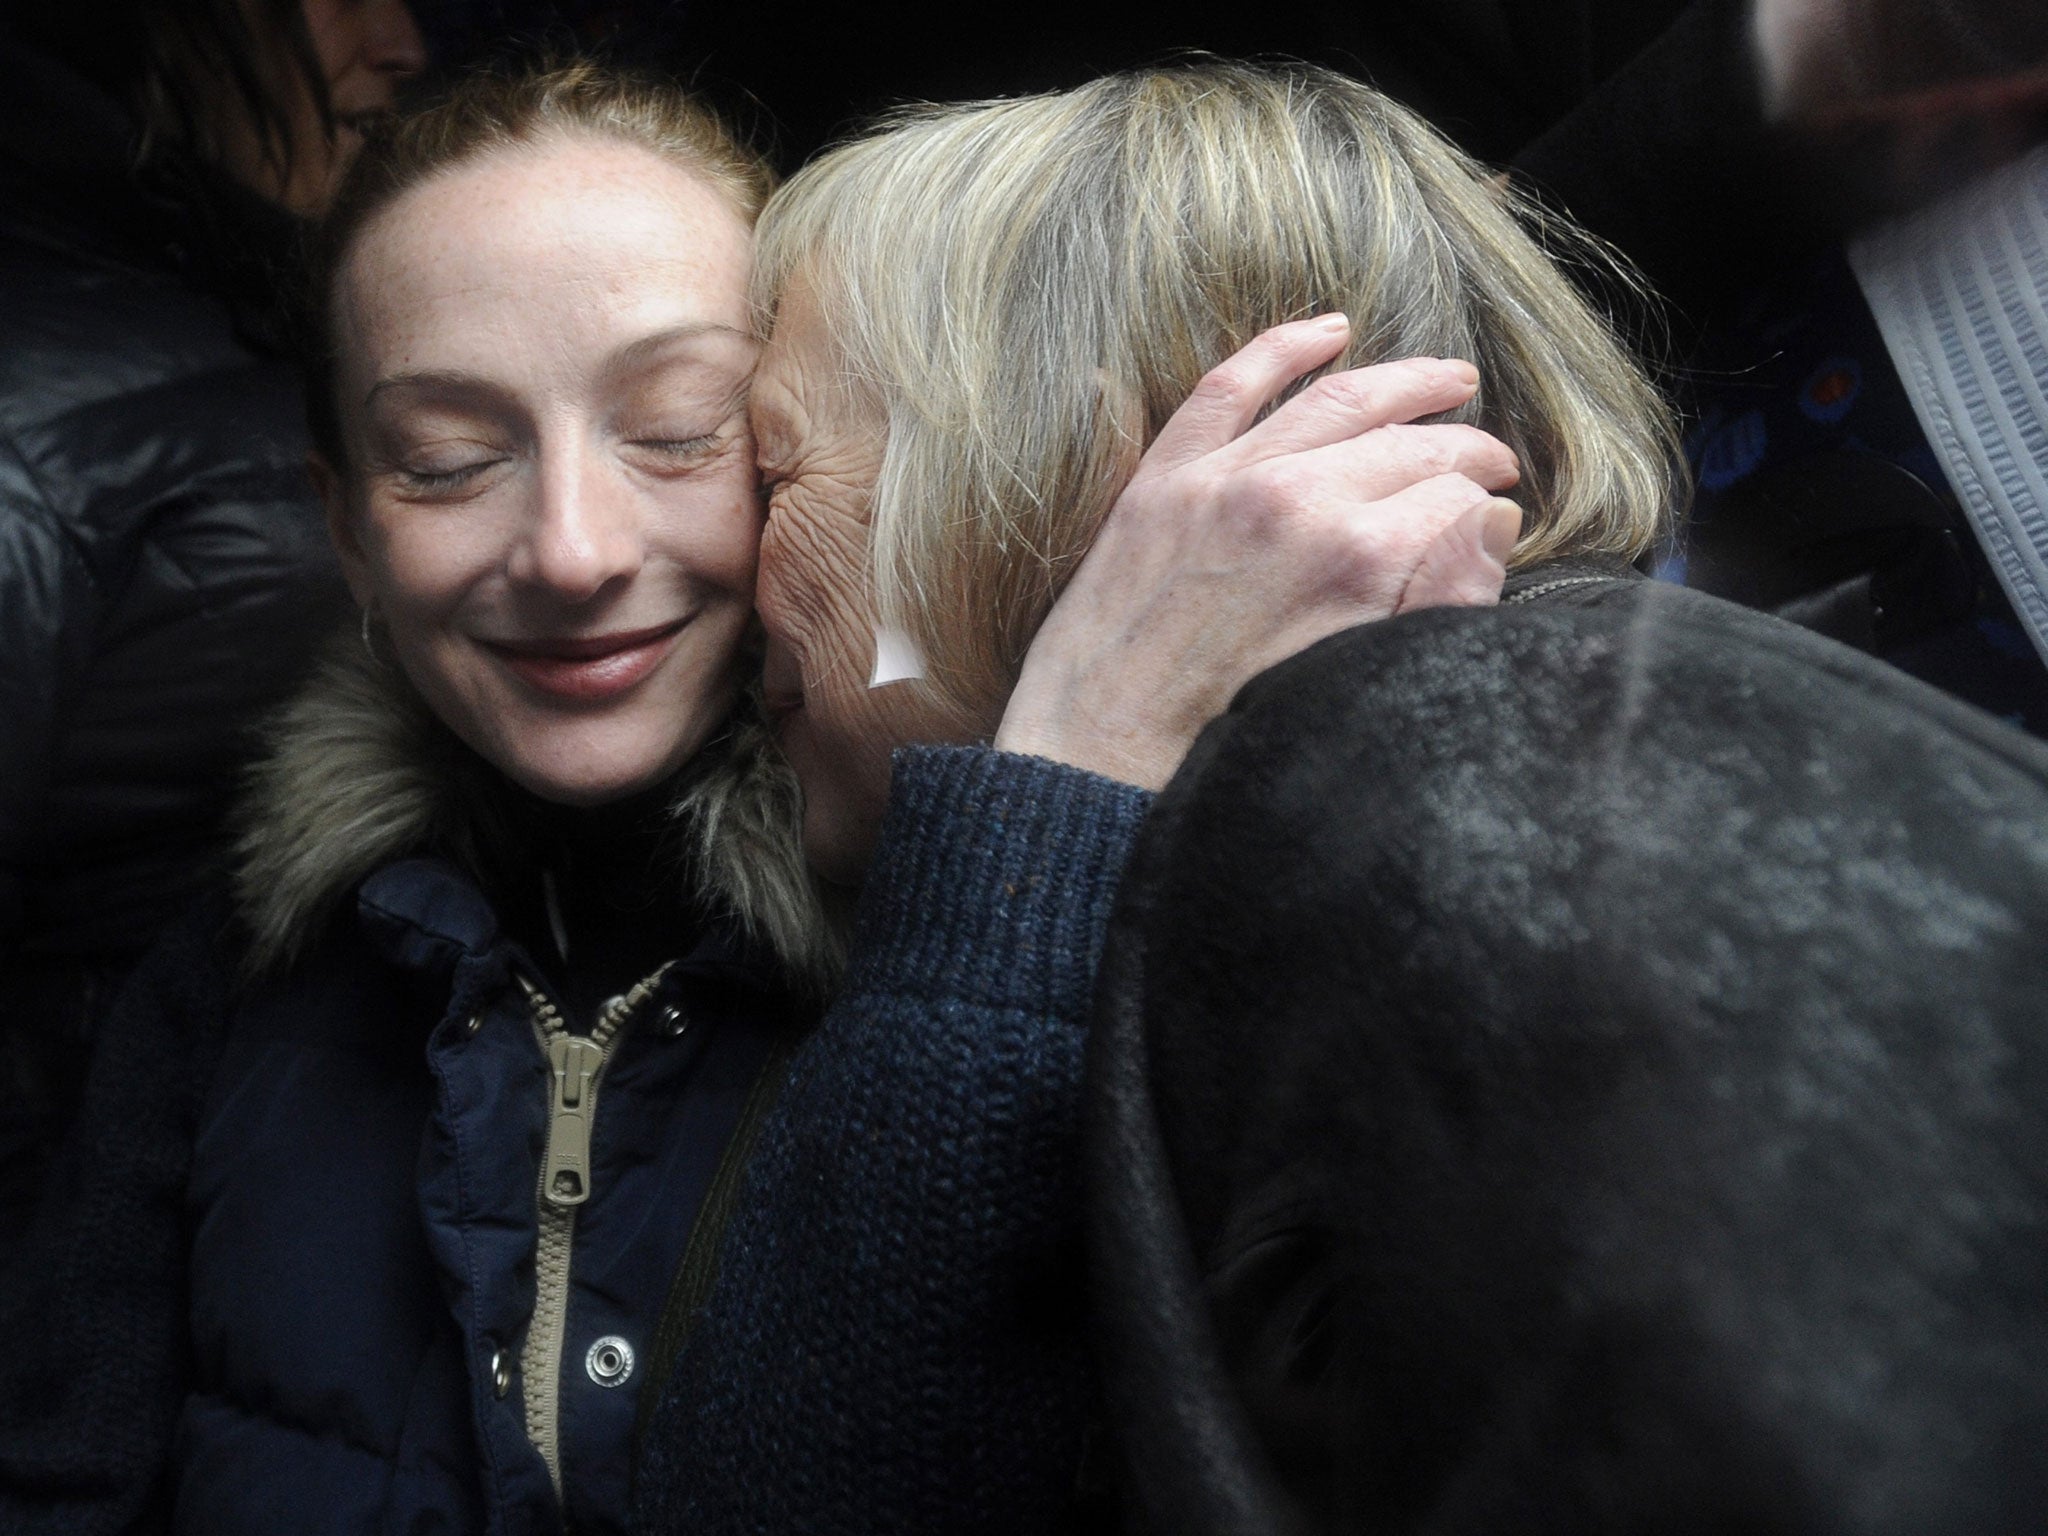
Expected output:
{"points": [[395, 1201]]}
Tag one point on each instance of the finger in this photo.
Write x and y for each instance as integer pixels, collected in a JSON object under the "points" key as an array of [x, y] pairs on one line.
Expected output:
{"points": [[1389, 538], [1342, 405], [1424, 510], [1387, 461], [1232, 394], [1465, 565]]}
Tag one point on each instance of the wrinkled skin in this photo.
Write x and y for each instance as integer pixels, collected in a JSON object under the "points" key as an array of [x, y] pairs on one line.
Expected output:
{"points": [[1233, 547]]}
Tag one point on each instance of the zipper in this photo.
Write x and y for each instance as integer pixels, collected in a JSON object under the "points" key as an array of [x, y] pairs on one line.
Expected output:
{"points": [[576, 1066], [1545, 588]]}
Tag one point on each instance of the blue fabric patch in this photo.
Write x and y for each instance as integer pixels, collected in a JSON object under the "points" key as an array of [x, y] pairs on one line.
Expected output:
{"points": [[1831, 390], [1733, 451]]}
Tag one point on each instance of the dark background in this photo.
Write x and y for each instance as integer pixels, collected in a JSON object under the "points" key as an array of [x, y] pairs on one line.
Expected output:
{"points": [[1492, 73]]}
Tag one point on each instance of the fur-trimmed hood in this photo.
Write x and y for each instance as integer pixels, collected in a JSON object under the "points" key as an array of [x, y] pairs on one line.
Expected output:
{"points": [[358, 772]]}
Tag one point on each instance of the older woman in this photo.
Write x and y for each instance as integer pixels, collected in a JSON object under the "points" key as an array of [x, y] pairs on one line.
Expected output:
{"points": [[897, 1310], [401, 1184], [1501, 1089]]}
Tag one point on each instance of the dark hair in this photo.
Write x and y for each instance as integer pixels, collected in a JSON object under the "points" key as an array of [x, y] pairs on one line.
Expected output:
{"points": [[496, 109], [169, 61]]}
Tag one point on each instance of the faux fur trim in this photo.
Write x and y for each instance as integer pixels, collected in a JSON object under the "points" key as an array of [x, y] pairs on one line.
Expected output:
{"points": [[358, 772]]}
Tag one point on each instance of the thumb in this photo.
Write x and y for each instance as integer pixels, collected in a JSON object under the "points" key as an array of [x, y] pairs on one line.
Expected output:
{"points": [[1465, 565]]}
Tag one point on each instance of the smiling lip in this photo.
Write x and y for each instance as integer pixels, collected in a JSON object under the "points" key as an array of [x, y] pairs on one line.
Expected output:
{"points": [[587, 668]]}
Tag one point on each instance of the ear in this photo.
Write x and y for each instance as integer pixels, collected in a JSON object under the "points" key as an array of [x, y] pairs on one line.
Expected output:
{"points": [[332, 488]]}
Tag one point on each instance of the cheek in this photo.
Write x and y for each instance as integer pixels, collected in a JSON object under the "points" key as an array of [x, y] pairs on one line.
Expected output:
{"points": [[424, 562], [704, 532], [725, 539], [810, 597]]}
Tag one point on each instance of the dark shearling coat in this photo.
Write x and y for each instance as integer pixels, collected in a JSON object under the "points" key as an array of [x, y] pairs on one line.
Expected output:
{"points": [[1580, 1067]]}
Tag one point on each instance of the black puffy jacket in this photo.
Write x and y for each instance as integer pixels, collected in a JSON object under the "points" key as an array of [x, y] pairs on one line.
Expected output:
{"points": [[164, 571]]}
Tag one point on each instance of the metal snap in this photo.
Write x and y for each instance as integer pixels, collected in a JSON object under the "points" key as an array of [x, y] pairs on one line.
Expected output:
{"points": [[609, 1361], [501, 1373], [672, 1021]]}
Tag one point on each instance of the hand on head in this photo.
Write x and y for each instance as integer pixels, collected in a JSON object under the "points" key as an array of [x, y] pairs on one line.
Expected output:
{"points": [[1237, 545], [1022, 291]]}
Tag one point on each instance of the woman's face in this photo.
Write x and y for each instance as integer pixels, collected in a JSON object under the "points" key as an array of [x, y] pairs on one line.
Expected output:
{"points": [[364, 49], [550, 499], [820, 445]]}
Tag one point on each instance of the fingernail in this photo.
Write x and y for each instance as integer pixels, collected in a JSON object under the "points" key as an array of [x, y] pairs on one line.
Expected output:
{"points": [[1460, 370], [1502, 528], [1334, 323]]}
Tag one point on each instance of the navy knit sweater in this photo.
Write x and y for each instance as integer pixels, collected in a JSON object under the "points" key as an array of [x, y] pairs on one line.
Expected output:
{"points": [[893, 1343]]}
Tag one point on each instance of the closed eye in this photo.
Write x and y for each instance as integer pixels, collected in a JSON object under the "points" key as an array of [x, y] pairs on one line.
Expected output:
{"points": [[678, 447], [434, 482]]}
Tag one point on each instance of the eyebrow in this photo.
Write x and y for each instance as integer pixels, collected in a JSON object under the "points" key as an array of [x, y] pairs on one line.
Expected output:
{"points": [[439, 382], [454, 384], [635, 354]]}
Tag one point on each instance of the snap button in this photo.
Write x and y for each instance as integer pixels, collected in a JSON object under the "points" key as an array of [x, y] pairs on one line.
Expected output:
{"points": [[501, 1373], [672, 1021], [610, 1361]]}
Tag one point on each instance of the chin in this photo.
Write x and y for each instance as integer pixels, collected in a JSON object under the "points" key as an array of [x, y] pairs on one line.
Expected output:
{"points": [[593, 790], [594, 762], [587, 778]]}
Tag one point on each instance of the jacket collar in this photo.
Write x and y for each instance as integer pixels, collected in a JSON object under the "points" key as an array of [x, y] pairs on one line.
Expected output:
{"points": [[359, 774], [1536, 582]]}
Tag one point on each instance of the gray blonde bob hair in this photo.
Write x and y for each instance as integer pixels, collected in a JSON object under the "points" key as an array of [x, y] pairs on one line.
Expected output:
{"points": [[1028, 288]]}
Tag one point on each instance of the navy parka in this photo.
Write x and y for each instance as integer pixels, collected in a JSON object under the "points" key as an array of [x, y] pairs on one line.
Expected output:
{"points": [[363, 1215]]}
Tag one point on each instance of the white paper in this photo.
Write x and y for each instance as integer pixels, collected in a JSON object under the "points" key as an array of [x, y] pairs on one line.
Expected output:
{"points": [[896, 658]]}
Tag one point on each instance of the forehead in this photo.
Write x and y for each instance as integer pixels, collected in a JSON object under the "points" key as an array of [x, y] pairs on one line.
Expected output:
{"points": [[571, 242]]}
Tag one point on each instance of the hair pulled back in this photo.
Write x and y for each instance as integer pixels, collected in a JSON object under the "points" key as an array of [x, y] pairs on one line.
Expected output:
{"points": [[500, 109]]}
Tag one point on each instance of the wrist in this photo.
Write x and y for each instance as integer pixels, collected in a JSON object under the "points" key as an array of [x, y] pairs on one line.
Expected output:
{"points": [[1126, 756]]}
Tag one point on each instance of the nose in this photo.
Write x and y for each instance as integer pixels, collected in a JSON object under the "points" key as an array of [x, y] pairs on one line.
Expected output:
{"points": [[584, 534], [392, 44]]}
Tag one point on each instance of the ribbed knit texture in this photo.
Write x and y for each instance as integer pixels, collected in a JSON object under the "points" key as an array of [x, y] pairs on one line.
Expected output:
{"points": [[893, 1342]]}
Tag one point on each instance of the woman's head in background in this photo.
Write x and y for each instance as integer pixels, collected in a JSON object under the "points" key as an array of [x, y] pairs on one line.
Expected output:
{"points": [[276, 94]]}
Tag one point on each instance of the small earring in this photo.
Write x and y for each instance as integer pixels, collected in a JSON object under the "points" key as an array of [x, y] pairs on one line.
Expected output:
{"points": [[368, 644]]}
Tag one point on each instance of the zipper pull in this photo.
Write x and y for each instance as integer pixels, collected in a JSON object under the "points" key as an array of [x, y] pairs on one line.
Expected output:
{"points": [[574, 1060]]}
